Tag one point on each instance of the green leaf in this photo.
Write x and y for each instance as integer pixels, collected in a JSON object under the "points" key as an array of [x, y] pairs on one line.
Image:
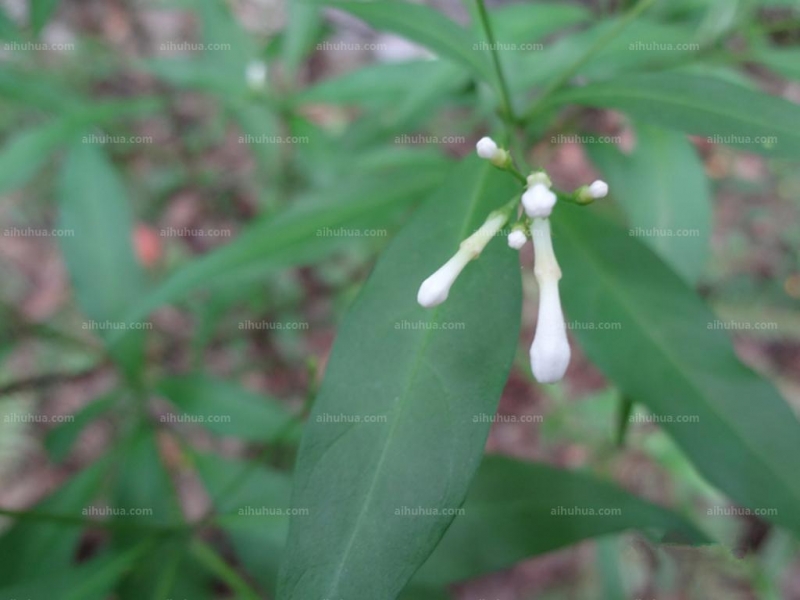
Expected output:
{"points": [[37, 89], [142, 494], [392, 426], [31, 550], [664, 190], [726, 113], [523, 23], [27, 152], [516, 510], [784, 61], [252, 504], [643, 44], [93, 580], [302, 27], [296, 235], [228, 47], [670, 354], [228, 409], [425, 26], [99, 255], [376, 84]]}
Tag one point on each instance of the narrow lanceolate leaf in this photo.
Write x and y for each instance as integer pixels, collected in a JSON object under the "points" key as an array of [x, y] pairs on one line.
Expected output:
{"points": [[425, 26], [226, 408], [252, 504], [785, 61], [296, 235], [27, 152], [394, 428], [516, 510], [93, 580], [668, 351], [723, 112], [665, 193], [98, 251], [32, 550], [303, 25]]}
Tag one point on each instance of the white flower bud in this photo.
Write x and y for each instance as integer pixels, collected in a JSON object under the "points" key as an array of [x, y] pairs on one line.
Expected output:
{"points": [[256, 75], [598, 189], [538, 201], [487, 148], [550, 352], [517, 239], [435, 289]]}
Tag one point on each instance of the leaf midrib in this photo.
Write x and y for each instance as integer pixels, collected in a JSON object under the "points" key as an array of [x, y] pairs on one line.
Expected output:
{"points": [[400, 405]]}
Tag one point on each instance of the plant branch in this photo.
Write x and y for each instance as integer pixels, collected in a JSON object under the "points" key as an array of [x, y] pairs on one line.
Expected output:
{"points": [[509, 116]]}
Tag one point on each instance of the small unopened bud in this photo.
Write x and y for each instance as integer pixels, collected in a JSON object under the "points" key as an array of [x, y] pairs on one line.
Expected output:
{"points": [[435, 289], [487, 148], [538, 201], [256, 75], [598, 189], [589, 193], [517, 239]]}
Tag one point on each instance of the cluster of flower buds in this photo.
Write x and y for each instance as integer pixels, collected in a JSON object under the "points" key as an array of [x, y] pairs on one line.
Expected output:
{"points": [[550, 351]]}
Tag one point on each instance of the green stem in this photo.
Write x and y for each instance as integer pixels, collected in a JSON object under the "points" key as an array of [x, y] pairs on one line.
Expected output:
{"points": [[512, 168], [509, 117], [209, 558], [565, 76]]}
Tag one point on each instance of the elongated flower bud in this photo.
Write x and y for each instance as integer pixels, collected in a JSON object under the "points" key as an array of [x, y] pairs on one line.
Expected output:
{"points": [[550, 351], [435, 289]]}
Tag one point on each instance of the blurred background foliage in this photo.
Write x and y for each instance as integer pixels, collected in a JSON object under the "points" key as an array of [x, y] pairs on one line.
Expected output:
{"points": [[218, 164]]}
